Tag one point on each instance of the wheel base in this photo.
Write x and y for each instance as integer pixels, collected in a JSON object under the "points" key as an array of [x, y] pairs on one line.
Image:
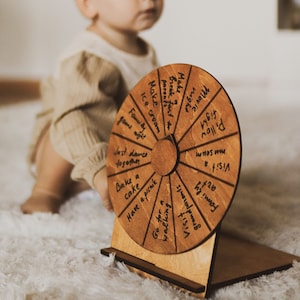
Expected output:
{"points": [[231, 259]]}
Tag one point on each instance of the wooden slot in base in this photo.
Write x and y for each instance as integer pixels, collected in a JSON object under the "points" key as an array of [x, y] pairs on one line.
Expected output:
{"points": [[233, 259], [151, 269]]}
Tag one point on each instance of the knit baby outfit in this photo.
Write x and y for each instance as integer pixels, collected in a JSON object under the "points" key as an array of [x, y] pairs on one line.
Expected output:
{"points": [[80, 101]]}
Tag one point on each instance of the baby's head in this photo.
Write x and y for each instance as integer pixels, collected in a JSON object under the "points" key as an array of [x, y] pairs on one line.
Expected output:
{"points": [[122, 15]]}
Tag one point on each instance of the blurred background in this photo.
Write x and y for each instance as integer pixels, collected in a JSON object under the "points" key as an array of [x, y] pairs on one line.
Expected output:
{"points": [[242, 43]]}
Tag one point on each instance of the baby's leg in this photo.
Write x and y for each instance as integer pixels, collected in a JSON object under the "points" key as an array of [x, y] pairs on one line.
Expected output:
{"points": [[53, 180]]}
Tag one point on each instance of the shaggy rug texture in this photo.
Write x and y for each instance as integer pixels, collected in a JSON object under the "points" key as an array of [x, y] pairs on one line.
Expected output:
{"points": [[44, 256]]}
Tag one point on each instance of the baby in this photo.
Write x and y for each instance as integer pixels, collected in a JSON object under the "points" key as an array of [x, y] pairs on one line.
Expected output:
{"points": [[80, 101]]}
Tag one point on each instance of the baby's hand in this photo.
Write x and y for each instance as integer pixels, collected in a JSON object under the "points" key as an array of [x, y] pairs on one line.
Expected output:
{"points": [[100, 182]]}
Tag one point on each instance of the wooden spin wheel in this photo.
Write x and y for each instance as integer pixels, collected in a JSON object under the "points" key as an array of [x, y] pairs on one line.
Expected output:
{"points": [[173, 166]]}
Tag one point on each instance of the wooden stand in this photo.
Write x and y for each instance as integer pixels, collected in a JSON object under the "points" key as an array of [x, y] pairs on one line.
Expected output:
{"points": [[219, 262], [173, 166]]}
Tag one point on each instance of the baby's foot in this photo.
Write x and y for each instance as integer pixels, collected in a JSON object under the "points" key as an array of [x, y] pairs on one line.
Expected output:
{"points": [[42, 201]]}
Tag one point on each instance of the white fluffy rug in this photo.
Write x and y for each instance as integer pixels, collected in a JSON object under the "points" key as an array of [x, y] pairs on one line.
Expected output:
{"points": [[45, 256]]}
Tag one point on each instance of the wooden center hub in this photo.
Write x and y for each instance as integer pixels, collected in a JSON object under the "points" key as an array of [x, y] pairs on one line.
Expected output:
{"points": [[164, 156]]}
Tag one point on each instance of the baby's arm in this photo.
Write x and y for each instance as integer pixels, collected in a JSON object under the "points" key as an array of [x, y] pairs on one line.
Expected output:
{"points": [[101, 186], [88, 100]]}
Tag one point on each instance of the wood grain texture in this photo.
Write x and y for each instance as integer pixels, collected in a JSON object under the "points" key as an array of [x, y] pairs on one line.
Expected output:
{"points": [[174, 159]]}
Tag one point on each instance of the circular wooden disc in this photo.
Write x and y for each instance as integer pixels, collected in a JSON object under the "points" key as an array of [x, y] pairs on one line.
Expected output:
{"points": [[174, 159]]}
